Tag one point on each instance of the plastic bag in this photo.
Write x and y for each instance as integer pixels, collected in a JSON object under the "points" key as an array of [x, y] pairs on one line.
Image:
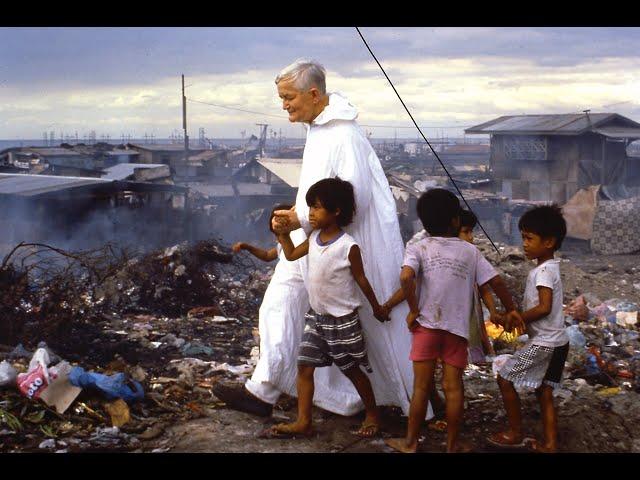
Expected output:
{"points": [[113, 386], [576, 337], [8, 374]]}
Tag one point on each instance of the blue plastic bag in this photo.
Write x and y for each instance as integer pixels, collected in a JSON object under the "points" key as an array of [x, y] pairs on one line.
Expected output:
{"points": [[113, 386]]}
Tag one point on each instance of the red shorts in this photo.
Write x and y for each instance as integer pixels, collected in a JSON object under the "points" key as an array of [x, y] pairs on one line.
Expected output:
{"points": [[431, 344]]}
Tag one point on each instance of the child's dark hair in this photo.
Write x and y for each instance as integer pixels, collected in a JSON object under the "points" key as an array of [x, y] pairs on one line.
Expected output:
{"points": [[334, 194], [546, 221], [468, 219], [436, 209], [281, 206]]}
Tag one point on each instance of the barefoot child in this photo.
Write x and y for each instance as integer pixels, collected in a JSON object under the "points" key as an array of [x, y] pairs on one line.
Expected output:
{"points": [[540, 362], [264, 255], [332, 333], [448, 268]]}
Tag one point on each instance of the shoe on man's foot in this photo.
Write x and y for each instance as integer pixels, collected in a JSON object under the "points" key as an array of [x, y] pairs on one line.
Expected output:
{"points": [[239, 398]]}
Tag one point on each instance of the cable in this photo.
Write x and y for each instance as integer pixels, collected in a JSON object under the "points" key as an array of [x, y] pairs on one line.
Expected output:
{"points": [[285, 117], [425, 138], [238, 109]]}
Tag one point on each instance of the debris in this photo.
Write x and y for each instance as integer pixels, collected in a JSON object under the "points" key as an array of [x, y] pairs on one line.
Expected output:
{"points": [[61, 393], [119, 412], [498, 362], [578, 309], [626, 319], [20, 352], [114, 386], [49, 444], [152, 432], [576, 338], [8, 374], [196, 348], [608, 392]]}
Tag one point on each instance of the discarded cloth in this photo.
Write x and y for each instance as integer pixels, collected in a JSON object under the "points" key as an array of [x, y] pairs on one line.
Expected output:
{"points": [[113, 386]]}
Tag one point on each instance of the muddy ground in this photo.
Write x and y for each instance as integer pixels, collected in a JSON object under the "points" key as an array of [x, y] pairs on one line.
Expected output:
{"points": [[179, 354]]}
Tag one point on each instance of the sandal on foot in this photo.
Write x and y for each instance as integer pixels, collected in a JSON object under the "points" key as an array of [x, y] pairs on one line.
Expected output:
{"points": [[369, 430], [272, 434], [501, 440]]}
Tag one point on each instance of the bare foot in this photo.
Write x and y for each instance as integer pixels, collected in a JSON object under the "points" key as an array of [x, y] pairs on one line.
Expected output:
{"points": [[400, 444], [461, 447], [296, 428]]}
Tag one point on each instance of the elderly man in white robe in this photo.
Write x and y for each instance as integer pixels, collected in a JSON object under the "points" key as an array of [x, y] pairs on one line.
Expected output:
{"points": [[335, 146]]}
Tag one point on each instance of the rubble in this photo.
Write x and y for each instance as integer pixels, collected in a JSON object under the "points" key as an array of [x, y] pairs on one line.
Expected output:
{"points": [[177, 334], [128, 315]]}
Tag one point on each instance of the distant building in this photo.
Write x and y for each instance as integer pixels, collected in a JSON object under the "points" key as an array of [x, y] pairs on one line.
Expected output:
{"points": [[281, 174], [551, 157]]}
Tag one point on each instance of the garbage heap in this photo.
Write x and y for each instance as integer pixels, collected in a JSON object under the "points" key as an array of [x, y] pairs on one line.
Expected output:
{"points": [[135, 343]]}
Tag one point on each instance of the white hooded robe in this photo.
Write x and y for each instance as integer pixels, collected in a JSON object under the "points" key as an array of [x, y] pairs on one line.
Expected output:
{"points": [[336, 146]]}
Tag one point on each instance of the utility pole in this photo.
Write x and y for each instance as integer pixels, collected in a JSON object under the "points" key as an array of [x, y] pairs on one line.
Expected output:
{"points": [[184, 123]]}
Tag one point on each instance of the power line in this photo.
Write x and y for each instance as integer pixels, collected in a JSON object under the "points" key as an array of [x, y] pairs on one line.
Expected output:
{"points": [[285, 117], [425, 138], [238, 109]]}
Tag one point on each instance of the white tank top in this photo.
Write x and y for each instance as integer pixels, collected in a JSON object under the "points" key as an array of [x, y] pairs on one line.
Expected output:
{"points": [[332, 288]]}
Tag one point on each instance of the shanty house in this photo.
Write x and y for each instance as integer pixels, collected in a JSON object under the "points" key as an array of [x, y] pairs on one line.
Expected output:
{"points": [[551, 157]]}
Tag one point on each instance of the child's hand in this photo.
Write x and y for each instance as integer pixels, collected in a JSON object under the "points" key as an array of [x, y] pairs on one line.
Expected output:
{"points": [[513, 321], [381, 313], [238, 246], [497, 319], [412, 320]]}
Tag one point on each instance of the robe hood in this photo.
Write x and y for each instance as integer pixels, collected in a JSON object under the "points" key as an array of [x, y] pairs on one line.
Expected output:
{"points": [[339, 108]]}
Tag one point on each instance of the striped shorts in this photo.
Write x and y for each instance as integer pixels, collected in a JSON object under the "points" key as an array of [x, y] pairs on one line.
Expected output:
{"points": [[327, 340]]}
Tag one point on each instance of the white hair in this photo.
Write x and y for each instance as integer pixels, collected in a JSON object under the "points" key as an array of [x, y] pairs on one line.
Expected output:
{"points": [[306, 74]]}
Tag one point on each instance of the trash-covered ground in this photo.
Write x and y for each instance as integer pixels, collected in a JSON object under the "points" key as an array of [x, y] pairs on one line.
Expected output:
{"points": [[175, 321]]}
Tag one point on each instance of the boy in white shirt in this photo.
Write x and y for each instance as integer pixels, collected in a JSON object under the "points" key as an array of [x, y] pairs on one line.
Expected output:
{"points": [[540, 363], [333, 332]]}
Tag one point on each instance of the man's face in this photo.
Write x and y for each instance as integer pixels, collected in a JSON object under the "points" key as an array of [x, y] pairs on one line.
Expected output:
{"points": [[299, 104]]}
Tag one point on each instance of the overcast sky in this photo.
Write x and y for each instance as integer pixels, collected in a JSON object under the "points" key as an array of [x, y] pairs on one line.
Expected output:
{"points": [[127, 80]]}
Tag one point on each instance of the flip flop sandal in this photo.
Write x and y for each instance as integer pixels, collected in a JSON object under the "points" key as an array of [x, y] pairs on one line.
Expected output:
{"points": [[520, 445], [272, 434], [358, 430]]}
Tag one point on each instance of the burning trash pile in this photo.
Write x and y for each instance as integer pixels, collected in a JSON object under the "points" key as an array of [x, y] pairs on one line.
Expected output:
{"points": [[132, 343]]}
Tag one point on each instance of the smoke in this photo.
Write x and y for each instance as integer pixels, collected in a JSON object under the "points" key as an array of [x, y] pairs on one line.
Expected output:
{"points": [[82, 223]]}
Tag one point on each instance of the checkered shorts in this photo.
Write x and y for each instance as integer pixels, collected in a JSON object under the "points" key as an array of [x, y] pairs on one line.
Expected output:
{"points": [[327, 340], [534, 365]]}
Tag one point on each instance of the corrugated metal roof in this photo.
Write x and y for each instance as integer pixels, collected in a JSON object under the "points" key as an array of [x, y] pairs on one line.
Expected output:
{"points": [[118, 151], [32, 185], [226, 190], [562, 124], [52, 151], [618, 132], [286, 169], [170, 147], [122, 171]]}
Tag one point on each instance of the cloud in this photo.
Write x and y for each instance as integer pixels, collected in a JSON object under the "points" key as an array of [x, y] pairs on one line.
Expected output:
{"points": [[128, 79]]}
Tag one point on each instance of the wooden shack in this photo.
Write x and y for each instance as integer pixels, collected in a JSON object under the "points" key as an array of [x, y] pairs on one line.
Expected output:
{"points": [[551, 157]]}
